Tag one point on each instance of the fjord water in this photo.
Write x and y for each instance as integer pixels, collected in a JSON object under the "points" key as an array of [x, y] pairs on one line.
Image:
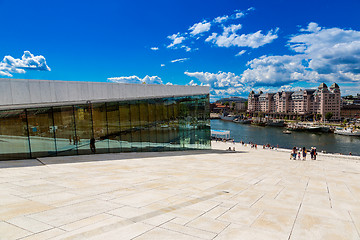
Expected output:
{"points": [[329, 142]]}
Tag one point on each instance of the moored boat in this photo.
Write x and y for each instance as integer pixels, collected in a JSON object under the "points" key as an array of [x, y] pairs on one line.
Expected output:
{"points": [[347, 132], [227, 117]]}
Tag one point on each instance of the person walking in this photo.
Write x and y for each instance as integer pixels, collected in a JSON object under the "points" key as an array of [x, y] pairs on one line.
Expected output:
{"points": [[294, 153], [304, 153], [299, 153], [312, 153], [315, 153]]}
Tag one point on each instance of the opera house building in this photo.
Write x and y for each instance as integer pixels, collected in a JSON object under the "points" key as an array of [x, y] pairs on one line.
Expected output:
{"points": [[41, 118]]}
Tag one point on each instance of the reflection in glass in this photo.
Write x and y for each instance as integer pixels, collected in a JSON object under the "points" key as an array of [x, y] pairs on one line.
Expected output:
{"points": [[64, 126], [125, 127], [152, 125], [100, 128], [14, 141], [84, 130], [41, 132], [175, 123], [144, 125], [113, 121]]}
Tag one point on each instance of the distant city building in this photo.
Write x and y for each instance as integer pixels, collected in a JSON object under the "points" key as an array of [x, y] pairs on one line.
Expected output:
{"points": [[218, 108], [305, 103], [350, 111], [236, 103], [348, 100]]}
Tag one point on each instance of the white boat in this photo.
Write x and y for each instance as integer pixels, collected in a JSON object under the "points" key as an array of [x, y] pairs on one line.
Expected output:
{"points": [[347, 132], [227, 117]]}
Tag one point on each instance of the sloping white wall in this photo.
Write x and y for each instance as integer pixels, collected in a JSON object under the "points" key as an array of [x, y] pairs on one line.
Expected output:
{"points": [[26, 91]]}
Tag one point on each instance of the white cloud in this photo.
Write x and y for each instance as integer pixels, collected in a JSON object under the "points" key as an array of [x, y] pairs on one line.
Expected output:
{"points": [[200, 27], [239, 15], [220, 80], [322, 55], [192, 83], [312, 27], [240, 53], [162, 65], [154, 48], [135, 79], [28, 61], [221, 19], [230, 38], [176, 39], [188, 49], [179, 60]]}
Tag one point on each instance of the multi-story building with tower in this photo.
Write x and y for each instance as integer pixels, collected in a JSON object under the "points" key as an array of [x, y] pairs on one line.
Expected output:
{"points": [[303, 103]]}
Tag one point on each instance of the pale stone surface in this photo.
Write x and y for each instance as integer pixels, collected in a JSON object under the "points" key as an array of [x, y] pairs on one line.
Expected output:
{"points": [[211, 194]]}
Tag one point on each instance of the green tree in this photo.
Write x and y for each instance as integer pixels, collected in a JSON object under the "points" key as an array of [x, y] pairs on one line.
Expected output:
{"points": [[318, 116], [227, 104], [328, 115], [233, 105]]}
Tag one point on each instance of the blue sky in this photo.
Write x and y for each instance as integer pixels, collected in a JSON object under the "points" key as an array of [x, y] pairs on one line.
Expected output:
{"points": [[232, 46]]}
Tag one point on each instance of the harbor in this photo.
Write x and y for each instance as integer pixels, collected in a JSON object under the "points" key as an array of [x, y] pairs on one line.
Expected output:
{"points": [[275, 136]]}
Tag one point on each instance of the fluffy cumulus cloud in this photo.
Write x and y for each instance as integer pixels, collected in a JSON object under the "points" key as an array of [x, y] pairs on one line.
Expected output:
{"points": [[318, 55], [230, 38], [176, 39], [321, 55], [221, 83], [154, 48], [199, 28], [135, 79], [221, 19], [28, 61]]}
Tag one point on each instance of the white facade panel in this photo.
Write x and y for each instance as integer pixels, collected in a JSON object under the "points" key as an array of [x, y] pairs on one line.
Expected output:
{"points": [[20, 92], [5, 92], [23, 92], [35, 91]]}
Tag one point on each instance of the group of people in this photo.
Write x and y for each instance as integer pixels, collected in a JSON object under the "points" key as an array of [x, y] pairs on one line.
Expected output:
{"points": [[300, 153]]}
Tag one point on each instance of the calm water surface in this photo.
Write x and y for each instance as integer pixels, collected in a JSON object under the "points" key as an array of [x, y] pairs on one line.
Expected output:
{"points": [[329, 142]]}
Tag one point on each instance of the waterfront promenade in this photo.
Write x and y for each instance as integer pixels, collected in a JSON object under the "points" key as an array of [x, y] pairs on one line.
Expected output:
{"points": [[211, 194]]}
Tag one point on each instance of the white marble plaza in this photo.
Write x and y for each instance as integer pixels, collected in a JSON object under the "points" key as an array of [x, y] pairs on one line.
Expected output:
{"points": [[214, 194]]}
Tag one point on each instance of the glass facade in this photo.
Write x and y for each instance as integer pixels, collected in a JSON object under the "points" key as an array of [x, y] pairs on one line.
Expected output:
{"points": [[159, 124]]}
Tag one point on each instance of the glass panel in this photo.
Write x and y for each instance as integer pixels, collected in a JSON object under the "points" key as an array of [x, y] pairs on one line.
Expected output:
{"points": [[152, 125], [175, 125], [165, 124], [64, 125], [14, 141], [144, 122], [101, 143], [125, 127], [135, 126], [113, 119], [159, 115], [41, 132], [84, 131]]}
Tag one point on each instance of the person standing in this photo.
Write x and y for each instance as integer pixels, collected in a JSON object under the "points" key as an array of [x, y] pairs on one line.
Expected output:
{"points": [[304, 153], [315, 153], [294, 153], [312, 153], [92, 145]]}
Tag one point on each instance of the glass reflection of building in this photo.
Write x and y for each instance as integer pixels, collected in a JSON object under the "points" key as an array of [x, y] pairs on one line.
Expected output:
{"points": [[151, 124]]}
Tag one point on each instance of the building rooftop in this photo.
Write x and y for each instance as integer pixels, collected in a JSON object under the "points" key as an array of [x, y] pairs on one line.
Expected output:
{"points": [[18, 93], [212, 194]]}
